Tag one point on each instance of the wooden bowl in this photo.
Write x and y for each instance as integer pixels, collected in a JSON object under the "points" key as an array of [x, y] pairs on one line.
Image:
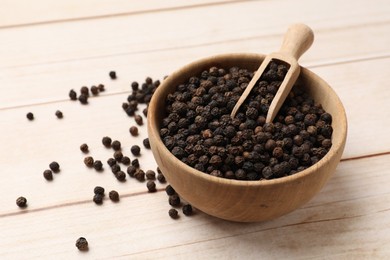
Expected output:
{"points": [[246, 201]]}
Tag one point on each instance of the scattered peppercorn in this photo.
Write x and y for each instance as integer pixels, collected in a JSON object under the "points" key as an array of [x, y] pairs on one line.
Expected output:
{"points": [[118, 155], [21, 202], [88, 161], [161, 178], [170, 190], [98, 199], [48, 175], [82, 244], [174, 200], [173, 213], [94, 90], [54, 166], [30, 116], [146, 143], [115, 168], [116, 145], [133, 131], [114, 196], [135, 163], [125, 160], [83, 99], [72, 95], [151, 185], [150, 175], [187, 210], [106, 141], [59, 114], [98, 190], [101, 88], [121, 176], [139, 175], [131, 170], [112, 74], [111, 162], [84, 90], [98, 165], [138, 119], [84, 148], [135, 149]]}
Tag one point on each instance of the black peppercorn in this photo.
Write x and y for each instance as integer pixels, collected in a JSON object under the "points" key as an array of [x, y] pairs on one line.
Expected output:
{"points": [[146, 143], [135, 149], [30, 116], [112, 74], [106, 141], [131, 170], [120, 175], [101, 88], [21, 202], [170, 190], [83, 99], [72, 95], [84, 90], [113, 195], [54, 166], [150, 175], [125, 160], [88, 161], [135, 163], [59, 114], [133, 131], [98, 190], [98, 165], [173, 213], [84, 148], [115, 168], [48, 175], [161, 178], [118, 155], [139, 175], [116, 145], [94, 90], [138, 119], [174, 200], [98, 199], [151, 185], [82, 244], [111, 162], [187, 210]]}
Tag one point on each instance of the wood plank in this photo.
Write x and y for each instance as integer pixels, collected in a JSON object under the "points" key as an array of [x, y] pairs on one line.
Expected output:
{"points": [[50, 43], [362, 96], [50, 82], [19, 13], [349, 218]]}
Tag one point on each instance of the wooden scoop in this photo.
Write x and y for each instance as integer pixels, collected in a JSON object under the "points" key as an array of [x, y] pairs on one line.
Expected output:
{"points": [[297, 40]]}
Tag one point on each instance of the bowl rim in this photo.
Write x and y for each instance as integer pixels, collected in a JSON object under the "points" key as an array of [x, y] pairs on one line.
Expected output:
{"points": [[158, 97]]}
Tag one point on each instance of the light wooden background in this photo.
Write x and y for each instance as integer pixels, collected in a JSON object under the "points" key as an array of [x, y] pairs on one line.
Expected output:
{"points": [[49, 47]]}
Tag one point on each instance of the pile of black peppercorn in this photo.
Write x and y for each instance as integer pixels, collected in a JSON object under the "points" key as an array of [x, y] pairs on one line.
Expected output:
{"points": [[199, 130]]}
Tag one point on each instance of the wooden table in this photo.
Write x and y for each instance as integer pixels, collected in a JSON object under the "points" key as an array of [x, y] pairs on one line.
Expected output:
{"points": [[49, 47]]}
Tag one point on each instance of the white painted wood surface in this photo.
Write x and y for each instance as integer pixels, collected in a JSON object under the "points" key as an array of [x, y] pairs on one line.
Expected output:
{"points": [[49, 48]]}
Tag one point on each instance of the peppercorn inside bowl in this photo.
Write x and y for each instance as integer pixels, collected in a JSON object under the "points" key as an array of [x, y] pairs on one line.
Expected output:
{"points": [[265, 186]]}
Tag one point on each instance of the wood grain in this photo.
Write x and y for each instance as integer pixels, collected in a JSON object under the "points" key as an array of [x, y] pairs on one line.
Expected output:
{"points": [[138, 227], [124, 35], [22, 13]]}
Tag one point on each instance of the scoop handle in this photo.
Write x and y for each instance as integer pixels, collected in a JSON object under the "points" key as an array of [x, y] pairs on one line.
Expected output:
{"points": [[297, 40]]}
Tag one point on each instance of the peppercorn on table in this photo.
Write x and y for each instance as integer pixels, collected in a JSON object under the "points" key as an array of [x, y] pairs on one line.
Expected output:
{"points": [[51, 47]]}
